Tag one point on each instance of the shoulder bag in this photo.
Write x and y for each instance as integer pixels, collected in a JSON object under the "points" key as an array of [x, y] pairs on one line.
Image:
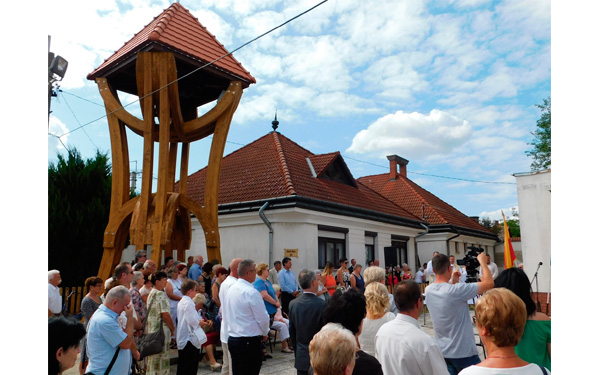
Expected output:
{"points": [[151, 343]]}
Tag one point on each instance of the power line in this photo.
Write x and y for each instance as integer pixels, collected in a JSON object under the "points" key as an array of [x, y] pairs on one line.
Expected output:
{"points": [[76, 119], [202, 67], [433, 175], [82, 98]]}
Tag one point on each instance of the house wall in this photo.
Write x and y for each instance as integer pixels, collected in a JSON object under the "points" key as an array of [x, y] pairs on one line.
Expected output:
{"points": [[456, 246], [533, 193], [244, 235]]}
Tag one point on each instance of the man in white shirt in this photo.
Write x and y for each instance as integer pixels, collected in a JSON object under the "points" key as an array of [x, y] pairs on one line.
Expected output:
{"points": [[248, 322], [456, 267], [420, 275], [401, 346], [229, 281], [429, 274], [54, 298], [492, 266]]}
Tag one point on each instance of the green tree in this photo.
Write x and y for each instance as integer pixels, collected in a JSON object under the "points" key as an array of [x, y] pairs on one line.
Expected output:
{"points": [[541, 152], [78, 209], [514, 225], [488, 223]]}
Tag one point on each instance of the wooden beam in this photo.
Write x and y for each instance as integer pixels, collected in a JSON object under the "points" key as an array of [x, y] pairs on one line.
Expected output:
{"points": [[144, 81]]}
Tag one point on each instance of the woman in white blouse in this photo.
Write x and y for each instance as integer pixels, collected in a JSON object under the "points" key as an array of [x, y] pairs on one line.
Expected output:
{"points": [[188, 320], [378, 305]]}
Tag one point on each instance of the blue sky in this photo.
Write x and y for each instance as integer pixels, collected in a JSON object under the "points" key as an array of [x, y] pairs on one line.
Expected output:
{"points": [[449, 85]]}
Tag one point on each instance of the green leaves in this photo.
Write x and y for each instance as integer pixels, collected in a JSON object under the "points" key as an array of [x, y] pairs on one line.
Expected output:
{"points": [[79, 194], [541, 152]]}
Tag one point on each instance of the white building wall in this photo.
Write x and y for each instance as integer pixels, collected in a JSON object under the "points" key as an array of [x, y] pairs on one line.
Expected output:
{"points": [[246, 236], [439, 242], [533, 193], [356, 245]]}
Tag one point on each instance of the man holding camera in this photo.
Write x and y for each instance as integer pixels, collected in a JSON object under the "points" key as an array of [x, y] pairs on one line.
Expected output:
{"points": [[447, 302]]}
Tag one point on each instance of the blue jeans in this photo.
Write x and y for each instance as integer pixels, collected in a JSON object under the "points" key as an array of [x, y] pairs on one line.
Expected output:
{"points": [[456, 365]]}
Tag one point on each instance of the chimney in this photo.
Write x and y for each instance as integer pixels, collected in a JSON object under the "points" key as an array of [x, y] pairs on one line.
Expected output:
{"points": [[396, 161]]}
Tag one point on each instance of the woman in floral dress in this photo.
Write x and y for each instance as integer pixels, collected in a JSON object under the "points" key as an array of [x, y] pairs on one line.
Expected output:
{"points": [[158, 306], [406, 274]]}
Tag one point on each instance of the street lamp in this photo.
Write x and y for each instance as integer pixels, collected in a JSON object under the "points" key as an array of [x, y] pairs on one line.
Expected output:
{"points": [[57, 67]]}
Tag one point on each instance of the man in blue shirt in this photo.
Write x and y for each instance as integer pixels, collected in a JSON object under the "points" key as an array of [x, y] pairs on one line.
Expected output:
{"points": [[196, 269], [105, 335], [289, 286]]}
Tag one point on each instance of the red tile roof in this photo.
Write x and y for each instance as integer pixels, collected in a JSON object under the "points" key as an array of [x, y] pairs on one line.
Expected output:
{"points": [[177, 29], [275, 166], [321, 162], [419, 201]]}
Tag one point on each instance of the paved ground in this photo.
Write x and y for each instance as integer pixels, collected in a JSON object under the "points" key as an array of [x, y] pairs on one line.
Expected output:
{"points": [[282, 363]]}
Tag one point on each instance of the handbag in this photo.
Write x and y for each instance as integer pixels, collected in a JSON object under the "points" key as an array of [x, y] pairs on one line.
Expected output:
{"points": [[151, 343]]}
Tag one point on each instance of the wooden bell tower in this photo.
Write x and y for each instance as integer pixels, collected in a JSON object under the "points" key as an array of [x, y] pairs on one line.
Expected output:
{"points": [[167, 66]]}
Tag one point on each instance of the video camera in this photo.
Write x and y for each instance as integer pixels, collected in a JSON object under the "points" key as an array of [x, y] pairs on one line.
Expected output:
{"points": [[471, 263]]}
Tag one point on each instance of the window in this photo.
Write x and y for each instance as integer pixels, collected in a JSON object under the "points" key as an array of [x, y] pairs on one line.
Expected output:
{"points": [[331, 250], [401, 243], [369, 253], [369, 247]]}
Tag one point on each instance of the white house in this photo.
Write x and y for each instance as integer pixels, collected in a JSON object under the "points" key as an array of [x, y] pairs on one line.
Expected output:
{"points": [[533, 193]]}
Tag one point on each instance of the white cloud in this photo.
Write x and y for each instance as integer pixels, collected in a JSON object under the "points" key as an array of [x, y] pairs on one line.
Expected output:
{"points": [[396, 76], [314, 62], [214, 23], [340, 103], [530, 17], [262, 101], [56, 128], [497, 214], [412, 135], [389, 27], [468, 3]]}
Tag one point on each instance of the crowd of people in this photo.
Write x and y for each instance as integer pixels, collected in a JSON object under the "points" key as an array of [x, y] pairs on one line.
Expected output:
{"points": [[345, 320]]}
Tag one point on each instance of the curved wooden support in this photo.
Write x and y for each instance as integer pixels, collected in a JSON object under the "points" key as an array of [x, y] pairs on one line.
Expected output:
{"points": [[209, 226], [174, 103], [213, 169], [113, 106], [112, 255], [188, 131], [117, 219], [201, 127]]}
